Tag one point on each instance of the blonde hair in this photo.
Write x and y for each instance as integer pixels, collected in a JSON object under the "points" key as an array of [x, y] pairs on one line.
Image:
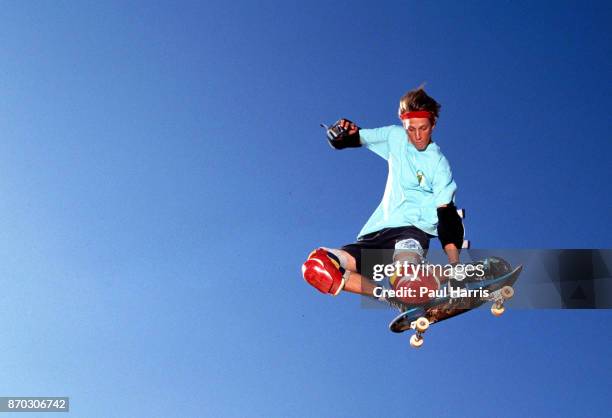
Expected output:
{"points": [[418, 99]]}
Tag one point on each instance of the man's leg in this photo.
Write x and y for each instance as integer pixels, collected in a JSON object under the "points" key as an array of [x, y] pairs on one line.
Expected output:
{"points": [[413, 276]]}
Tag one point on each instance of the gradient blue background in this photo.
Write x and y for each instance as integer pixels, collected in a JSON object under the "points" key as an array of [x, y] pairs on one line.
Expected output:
{"points": [[163, 176]]}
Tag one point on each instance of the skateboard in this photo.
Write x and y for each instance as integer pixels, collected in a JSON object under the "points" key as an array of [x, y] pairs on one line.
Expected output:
{"points": [[498, 281]]}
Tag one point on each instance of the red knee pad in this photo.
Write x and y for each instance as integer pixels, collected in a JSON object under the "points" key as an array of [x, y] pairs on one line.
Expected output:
{"points": [[323, 271], [415, 285]]}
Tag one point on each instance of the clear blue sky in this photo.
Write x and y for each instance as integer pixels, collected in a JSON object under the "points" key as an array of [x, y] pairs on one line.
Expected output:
{"points": [[163, 176]]}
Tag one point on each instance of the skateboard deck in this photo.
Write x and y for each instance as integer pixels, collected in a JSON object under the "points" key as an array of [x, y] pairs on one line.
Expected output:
{"points": [[498, 277]]}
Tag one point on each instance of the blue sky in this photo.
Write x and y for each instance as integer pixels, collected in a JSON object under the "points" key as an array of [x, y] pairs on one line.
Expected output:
{"points": [[163, 175]]}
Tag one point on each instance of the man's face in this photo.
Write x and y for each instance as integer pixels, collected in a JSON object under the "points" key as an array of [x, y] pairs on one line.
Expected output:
{"points": [[419, 132]]}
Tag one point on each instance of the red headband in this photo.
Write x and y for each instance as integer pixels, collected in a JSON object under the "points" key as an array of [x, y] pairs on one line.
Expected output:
{"points": [[416, 114]]}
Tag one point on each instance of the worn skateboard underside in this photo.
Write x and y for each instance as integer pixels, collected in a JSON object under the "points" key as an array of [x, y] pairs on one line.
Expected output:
{"points": [[444, 308]]}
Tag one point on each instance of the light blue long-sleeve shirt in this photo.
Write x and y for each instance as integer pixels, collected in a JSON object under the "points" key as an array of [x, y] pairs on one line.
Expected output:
{"points": [[418, 181]]}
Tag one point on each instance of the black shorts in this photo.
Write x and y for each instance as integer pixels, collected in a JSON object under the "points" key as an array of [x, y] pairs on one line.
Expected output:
{"points": [[380, 242]]}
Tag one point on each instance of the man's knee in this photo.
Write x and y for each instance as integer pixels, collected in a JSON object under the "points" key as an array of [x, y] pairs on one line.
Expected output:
{"points": [[324, 271], [409, 250]]}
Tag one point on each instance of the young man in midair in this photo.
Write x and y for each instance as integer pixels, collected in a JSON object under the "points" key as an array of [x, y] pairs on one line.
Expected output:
{"points": [[418, 203]]}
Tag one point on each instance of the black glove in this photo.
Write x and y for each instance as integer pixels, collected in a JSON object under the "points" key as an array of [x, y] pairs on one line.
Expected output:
{"points": [[343, 134]]}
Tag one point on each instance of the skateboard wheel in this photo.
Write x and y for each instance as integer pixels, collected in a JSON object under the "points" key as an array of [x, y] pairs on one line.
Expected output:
{"points": [[422, 324], [497, 310], [507, 292], [416, 341]]}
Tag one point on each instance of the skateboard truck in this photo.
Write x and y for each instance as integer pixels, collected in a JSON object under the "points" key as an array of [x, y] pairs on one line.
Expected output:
{"points": [[499, 298], [420, 325]]}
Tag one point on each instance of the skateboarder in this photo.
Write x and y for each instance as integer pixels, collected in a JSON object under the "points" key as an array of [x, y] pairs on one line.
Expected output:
{"points": [[418, 202]]}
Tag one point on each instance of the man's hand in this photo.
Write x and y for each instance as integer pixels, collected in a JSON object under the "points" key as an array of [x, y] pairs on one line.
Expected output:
{"points": [[343, 134], [349, 127], [452, 252]]}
